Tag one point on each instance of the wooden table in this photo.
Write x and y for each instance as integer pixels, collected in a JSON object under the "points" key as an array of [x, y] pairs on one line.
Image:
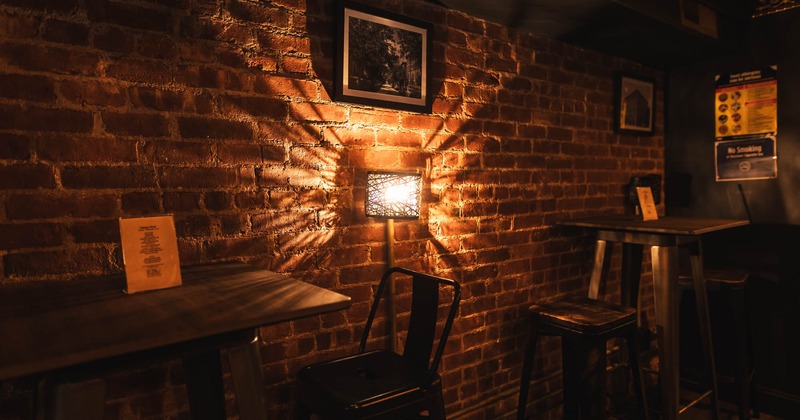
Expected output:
{"points": [[87, 325], [665, 237]]}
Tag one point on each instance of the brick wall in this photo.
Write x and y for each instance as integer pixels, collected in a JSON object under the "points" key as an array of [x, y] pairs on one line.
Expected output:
{"points": [[220, 113]]}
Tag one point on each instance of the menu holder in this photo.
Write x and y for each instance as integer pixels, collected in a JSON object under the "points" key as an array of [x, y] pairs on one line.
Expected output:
{"points": [[150, 253], [647, 204]]}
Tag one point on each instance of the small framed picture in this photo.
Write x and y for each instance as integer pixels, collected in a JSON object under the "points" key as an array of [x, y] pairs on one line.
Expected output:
{"points": [[634, 105], [382, 59]]}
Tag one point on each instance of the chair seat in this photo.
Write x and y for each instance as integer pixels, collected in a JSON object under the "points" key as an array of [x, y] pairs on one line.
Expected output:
{"points": [[363, 380], [583, 315]]}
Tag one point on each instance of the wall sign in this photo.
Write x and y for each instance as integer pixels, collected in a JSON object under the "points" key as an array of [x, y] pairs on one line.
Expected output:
{"points": [[747, 103], [739, 160], [746, 125]]}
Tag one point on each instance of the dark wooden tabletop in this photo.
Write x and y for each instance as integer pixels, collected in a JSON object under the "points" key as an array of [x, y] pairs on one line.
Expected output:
{"points": [[49, 325], [675, 225]]}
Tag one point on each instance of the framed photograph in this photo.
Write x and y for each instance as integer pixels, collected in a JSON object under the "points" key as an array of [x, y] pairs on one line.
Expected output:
{"points": [[634, 105], [382, 59]]}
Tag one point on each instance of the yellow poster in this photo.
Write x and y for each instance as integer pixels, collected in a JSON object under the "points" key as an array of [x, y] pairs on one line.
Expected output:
{"points": [[150, 253], [746, 104]]}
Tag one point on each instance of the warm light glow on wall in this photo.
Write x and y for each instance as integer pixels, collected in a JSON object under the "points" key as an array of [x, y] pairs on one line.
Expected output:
{"points": [[393, 195]]}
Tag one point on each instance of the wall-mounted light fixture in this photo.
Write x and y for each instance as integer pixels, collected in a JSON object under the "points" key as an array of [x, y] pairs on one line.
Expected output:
{"points": [[392, 196]]}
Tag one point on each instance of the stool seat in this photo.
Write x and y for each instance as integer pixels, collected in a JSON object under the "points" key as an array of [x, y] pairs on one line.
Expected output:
{"points": [[583, 315]]}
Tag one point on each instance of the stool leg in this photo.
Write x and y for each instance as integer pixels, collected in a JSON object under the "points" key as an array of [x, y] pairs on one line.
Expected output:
{"points": [[634, 360], [584, 365], [696, 261], [527, 367], [740, 325]]}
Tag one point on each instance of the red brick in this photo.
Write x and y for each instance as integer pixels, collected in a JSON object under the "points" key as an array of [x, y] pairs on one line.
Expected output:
{"points": [[234, 224], [199, 177], [200, 127], [13, 25], [89, 92], [29, 88], [190, 226], [108, 177], [251, 200], [65, 32], [128, 124], [235, 153], [227, 248], [26, 175], [52, 205], [50, 59], [261, 13], [16, 236], [362, 274], [218, 200], [182, 201], [58, 263], [130, 15], [157, 46], [253, 105], [462, 57], [14, 147], [95, 231], [138, 70], [283, 42], [177, 152], [210, 77], [45, 119], [169, 100], [399, 138], [113, 39], [350, 136], [141, 203], [277, 86], [66, 148], [305, 111], [295, 65]]}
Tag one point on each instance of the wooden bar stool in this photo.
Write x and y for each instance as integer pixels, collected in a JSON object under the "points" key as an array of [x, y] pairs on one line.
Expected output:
{"points": [[726, 290], [584, 325]]}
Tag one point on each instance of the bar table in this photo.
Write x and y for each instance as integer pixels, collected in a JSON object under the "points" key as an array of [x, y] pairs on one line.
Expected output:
{"points": [[79, 329], [665, 237]]}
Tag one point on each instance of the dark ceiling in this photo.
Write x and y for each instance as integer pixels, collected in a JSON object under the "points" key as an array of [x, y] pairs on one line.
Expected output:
{"points": [[659, 33]]}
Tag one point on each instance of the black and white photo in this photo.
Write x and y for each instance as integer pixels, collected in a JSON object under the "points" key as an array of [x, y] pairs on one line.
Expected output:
{"points": [[383, 59], [634, 105]]}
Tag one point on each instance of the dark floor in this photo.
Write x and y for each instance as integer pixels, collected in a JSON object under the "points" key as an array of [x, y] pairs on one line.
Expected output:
{"points": [[700, 411]]}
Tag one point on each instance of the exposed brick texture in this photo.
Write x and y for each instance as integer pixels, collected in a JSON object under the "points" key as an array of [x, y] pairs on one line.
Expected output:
{"points": [[221, 113]]}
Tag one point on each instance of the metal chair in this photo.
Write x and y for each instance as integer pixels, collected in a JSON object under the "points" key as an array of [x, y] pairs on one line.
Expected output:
{"points": [[382, 383]]}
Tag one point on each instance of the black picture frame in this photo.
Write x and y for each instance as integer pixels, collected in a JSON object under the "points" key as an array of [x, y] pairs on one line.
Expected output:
{"points": [[634, 104], [382, 59]]}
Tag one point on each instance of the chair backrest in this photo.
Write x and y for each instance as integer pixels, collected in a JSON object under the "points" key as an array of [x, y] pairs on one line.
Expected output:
{"points": [[424, 316]]}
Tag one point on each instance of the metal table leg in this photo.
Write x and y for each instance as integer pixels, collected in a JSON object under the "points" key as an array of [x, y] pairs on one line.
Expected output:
{"points": [[701, 294], [665, 281]]}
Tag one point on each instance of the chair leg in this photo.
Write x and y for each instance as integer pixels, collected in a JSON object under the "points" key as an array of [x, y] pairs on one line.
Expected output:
{"points": [[742, 369], [301, 411], [525, 381], [634, 360], [436, 405]]}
